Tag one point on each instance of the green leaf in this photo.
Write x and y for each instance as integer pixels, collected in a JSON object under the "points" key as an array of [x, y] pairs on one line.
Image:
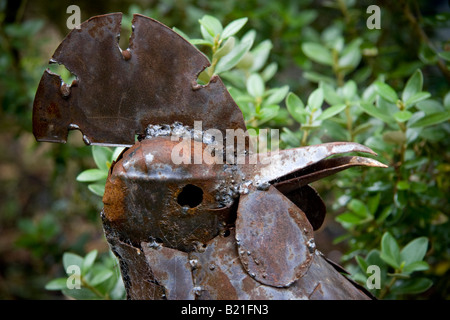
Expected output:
{"points": [[318, 53], [447, 101], [431, 119], [230, 60], [80, 294], [277, 95], [414, 251], [102, 156], [351, 55], [413, 286], [373, 257], [370, 109], [419, 187], [445, 55], [97, 188], [118, 292], [290, 138], [349, 90], [211, 24], [386, 91], [317, 77], [233, 27], [315, 99], [304, 17], [362, 263], [88, 261], [373, 202], [246, 62], [261, 54], [430, 106], [269, 71], [101, 276], [206, 35], [390, 251], [403, 185], [331, 111], [369, 94], [116, 153], [57, 284], [268, 113], [225, 48], [402, 116], [386, 107], [417, 97], [249, 36], [330, 94], [416, 266], [92, 175], [359, 208], [383, 215], [181, 33], [255, 85], [70, 259], [362, 128], [201, 42], [296, 107], [413, 85], [350, 217]]}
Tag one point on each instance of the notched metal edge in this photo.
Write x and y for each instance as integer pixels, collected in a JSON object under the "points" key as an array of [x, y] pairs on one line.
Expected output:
{"points": [[194, 83]]}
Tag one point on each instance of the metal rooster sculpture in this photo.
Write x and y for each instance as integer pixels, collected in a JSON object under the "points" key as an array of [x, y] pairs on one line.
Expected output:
{"points": [[186, 231]]}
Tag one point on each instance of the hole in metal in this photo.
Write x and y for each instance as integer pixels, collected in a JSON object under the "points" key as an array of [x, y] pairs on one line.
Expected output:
{"points": [[190, 196]]}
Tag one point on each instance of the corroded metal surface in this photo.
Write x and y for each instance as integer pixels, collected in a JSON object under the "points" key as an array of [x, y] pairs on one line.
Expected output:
{"points": [[172, 268], [189, 229], [273, 254], [117, 94], [142, 200], [274, 245]]}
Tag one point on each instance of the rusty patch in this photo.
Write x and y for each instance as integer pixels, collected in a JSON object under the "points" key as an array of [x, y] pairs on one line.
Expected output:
{"points": [[119, 93], [171, 269], [273, 244], [310, 202]]}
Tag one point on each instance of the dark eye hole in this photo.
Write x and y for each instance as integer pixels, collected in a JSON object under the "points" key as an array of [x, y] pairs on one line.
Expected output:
{"points": [[190, 196]]}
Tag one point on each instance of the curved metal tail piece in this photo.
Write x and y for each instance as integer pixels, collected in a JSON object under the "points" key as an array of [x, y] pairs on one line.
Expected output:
{"points": [[118, 93], [261, 214]]}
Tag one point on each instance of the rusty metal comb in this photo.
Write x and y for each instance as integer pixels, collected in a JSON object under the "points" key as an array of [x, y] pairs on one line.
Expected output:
{"points": [[117, 94]]}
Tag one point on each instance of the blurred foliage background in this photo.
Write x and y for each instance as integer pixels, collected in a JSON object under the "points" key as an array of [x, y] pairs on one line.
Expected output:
{"points": [[323, 54]]}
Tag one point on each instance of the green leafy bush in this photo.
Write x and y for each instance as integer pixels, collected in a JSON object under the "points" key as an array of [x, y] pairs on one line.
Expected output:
{"points": [[88, 279]]}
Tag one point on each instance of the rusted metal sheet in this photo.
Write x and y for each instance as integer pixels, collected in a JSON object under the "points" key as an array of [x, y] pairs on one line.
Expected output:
{"points": [[143, 197], [137, 275], [172, 269], [117, 94], [279, 166], [310, 202], [322, 169], [274, 238], [274, 243], [189, 229], [220, 275]]}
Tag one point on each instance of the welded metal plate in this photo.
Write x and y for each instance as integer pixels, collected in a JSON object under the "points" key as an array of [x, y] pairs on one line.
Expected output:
{"points": [[171, 269], [274, 238], [219, 275]]}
